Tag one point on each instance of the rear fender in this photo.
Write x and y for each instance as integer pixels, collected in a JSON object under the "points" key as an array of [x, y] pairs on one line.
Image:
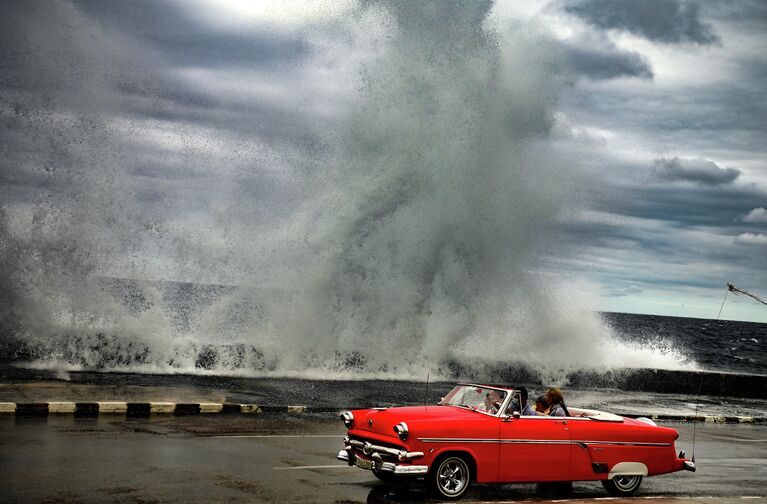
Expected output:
{"points": [[628, 469]]}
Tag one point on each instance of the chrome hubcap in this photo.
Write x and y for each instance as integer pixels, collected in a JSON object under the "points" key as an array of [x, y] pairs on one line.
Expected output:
{"points": [[626, 482], [452, 477]]}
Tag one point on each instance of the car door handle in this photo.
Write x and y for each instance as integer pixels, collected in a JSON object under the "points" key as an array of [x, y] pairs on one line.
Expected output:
{"points": [[564, 422]]}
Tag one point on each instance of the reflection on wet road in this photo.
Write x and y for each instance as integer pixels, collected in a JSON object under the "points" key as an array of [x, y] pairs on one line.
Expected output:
{"points": [[292, 459]]}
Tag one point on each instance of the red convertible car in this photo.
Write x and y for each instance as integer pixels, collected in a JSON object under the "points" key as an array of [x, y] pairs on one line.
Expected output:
{"points": [[467, 439]]}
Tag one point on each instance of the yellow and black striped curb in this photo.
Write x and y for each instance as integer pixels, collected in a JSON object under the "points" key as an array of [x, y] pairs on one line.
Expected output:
{"points": [[86, 409]]}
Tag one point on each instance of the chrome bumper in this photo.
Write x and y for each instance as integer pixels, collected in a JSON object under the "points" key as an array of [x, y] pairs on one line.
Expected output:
{"points": [[687, 465], [347, 456], [371, 449]]}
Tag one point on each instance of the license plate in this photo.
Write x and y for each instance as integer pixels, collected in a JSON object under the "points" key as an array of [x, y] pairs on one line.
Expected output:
{"points": [[363, 464]]}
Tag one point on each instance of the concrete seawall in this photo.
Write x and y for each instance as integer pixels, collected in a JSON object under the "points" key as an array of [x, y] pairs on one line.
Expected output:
{"points": [[678, 382], [639, 380], [642, 380]]}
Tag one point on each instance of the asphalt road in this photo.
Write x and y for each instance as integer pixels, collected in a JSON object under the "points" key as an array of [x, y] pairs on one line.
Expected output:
{"points": [[270, 458]]}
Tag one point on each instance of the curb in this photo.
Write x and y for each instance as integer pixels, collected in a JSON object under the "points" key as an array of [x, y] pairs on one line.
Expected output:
{"points": [[139, 409], [143, 409]]}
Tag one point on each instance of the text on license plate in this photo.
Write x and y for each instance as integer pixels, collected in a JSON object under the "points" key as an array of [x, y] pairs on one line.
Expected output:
{"points": [[363, 464]]}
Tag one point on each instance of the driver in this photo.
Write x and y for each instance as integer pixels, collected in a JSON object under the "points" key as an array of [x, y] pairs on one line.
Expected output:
{"points": [[493, 400]]}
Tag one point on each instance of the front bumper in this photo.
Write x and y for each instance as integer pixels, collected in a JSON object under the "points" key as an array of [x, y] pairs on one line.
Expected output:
{"points": [[377, 464]]}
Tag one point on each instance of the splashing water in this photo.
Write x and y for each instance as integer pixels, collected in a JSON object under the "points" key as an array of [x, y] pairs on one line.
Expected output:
{"points": [[413, 235]]}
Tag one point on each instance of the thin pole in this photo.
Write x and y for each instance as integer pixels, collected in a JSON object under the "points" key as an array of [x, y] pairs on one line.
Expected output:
{"points": [[723, 300], [700, 386], [695, 420]]}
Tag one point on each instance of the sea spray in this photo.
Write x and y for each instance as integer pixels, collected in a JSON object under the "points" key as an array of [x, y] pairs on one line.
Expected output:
{"points": [[419, 213]]}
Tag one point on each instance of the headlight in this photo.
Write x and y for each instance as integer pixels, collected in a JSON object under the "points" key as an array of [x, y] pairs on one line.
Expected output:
{"points": [[401, 430], [348, 418]]}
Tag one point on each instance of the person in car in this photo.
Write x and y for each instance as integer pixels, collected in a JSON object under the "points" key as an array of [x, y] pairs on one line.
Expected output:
{"points": [[557, 402], [541, 405], [527, 410], [493, 400]]}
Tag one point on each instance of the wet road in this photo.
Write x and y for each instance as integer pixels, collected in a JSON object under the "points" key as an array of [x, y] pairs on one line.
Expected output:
{"points": [[286, 458]]}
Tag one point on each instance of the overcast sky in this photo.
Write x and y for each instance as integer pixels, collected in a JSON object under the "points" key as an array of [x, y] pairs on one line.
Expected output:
{"points": [[185, 138]]}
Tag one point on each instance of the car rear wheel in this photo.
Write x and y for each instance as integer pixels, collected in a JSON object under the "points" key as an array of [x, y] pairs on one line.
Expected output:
{"points": [[622, 486], [451, 478]]}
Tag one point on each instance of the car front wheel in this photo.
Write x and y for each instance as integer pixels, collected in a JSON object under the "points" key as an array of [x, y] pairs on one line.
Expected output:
{"points": [[622, 486], [451, 478]]}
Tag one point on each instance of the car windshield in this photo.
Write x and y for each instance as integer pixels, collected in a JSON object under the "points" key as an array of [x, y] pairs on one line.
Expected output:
{"points": [[475, 397]]}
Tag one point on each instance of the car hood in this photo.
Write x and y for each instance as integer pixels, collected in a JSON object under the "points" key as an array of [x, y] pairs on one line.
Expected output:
{"points": [[382, 421]]}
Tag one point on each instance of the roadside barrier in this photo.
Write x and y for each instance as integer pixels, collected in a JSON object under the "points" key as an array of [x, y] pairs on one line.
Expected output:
{"points": [[139, 409]]}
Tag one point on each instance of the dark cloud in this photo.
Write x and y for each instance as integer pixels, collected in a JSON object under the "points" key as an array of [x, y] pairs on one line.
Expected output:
{"points": [[693, 116], [667, 21], [681, 205], [698, 170], [600, 60], [748, 14]]}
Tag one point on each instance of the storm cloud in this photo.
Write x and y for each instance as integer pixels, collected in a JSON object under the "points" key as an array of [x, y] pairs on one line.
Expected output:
{"points": [[598, 58], [666, 21], [698, 170]]}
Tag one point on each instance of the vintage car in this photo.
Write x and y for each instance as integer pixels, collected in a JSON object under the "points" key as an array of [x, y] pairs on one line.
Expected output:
{"points": [[476, 434]]}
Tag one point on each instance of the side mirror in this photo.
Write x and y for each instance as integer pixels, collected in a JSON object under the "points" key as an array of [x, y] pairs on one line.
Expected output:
{"points": [[516, 414]]}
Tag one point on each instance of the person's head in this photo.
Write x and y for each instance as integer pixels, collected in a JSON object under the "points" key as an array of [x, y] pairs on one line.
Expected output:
{"points": [[541, 404], [495, 395], [554, 396], [523, 395]]}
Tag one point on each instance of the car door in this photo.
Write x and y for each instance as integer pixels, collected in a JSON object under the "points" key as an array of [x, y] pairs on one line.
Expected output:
{"points": [[534, 449]]}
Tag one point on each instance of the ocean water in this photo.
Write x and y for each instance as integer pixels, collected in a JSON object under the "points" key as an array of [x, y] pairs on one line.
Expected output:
{"points": [[715, 345]]}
